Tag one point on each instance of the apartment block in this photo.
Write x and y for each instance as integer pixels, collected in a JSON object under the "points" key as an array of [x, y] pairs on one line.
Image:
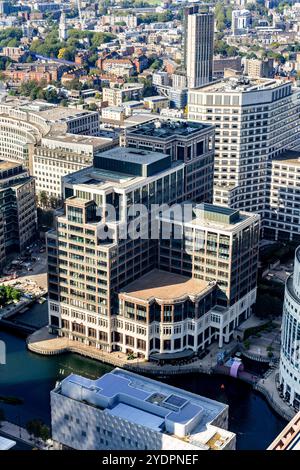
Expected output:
{"points": [[125, 411]]}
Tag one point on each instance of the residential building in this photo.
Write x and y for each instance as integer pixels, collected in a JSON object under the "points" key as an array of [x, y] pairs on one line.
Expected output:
{"points": [[241, 21], [17, 209], [220, 64], [156, 103], [256, 120], [289, 437], [62, 29], [17, 73], [113, 115], [116, 96], [190, 142], [289, 356], [125, 411], [256, 68], [199, 45]]}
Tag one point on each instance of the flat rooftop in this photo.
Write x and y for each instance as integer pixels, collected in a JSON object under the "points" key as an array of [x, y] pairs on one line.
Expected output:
{"points": [[164, 286], [60, 113], [144, 401], [79, 139], [164, 129], [4, 165], [290, 157], [132, 155], [240, 85], [210, 216]]}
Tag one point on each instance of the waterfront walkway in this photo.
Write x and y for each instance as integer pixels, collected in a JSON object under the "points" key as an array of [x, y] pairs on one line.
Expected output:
{"points": [[267, 386], [14, 431], [41, 342]]}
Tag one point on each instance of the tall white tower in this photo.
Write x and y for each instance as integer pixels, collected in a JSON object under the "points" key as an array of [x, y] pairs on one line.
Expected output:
{"points": [[199, 46], [62, 30]]}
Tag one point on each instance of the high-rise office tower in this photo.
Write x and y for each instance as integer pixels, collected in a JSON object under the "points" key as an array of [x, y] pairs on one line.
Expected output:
{"points": [[256, 121], [198, 45], [63, 34], [290, 337]]}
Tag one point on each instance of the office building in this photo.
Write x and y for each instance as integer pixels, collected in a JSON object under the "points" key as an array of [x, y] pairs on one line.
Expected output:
{"points": [[199, 45], [241, 21], [60, 155], [282, 214], [289, 438], [17, 209], [289, 356], [85, 269], [256, 120], [190, 142], [125, 411]]}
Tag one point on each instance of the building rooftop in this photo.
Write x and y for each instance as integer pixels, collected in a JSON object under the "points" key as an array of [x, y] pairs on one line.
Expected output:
{"points": [[95, 142], [240, 85], [210, 216], [149, 403], [4, 165], [165, 129], [289, 157], [164, 286], [6, 444]]}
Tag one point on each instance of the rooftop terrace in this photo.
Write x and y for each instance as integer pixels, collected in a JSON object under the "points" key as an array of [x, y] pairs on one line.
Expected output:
{"points": [[240, 85], [164, 286]]}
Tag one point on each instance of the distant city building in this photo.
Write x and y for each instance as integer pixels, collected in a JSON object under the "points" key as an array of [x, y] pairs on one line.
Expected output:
{"points": [[289, 355], [125, 411], [220, 64], [199, 45], [156, 103], [259, 68], [256, 121], [17, 209], [241, 21], [115, 96], [62, 29], [39, 135], [289, 438]]}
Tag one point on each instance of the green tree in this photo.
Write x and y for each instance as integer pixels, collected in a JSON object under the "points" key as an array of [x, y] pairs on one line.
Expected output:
{"points": [[44, 200]]}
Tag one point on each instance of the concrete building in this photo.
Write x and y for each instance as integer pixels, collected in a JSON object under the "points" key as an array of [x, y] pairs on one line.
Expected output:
{"points": [[17, 209], [289, 356], [116, 96], [48, 140], [190, 142], [256, 120], [60, 155], [125, 411], [84, 295], [256, 68], [199, 45], [156, 103], [62, 29], [289, 438], [241, 21], [282, 216], [220, 64]]}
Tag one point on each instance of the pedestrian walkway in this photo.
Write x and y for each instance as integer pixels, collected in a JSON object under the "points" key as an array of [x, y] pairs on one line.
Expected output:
{"points": [[267, 386], [14, 431]]}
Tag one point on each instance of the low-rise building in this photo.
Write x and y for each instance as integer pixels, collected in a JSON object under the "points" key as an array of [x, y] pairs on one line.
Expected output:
{"points": [[125, 411], [156, 103], [116, 96]]}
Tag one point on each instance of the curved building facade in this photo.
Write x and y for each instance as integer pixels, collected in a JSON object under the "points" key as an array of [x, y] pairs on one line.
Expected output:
{"points": [[290, 337]]}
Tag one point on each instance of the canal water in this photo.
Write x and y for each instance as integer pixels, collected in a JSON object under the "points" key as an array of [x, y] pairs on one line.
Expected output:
{"points": [[30, 377]]}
